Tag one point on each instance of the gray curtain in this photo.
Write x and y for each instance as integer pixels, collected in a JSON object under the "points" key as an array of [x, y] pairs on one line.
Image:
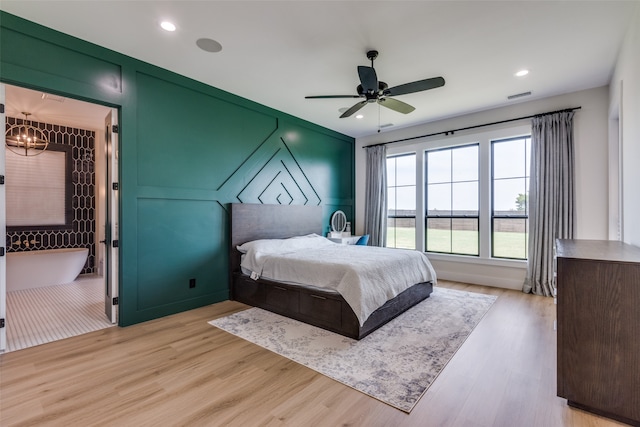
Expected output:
{"points": [[375, 201], [551, 196]]}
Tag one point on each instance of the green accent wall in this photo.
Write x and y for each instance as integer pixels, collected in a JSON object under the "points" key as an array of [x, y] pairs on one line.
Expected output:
{"points": [[187, 150]]}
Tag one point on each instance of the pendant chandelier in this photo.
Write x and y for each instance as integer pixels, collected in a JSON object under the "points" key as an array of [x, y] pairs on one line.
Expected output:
{"points": [[25, 139]]}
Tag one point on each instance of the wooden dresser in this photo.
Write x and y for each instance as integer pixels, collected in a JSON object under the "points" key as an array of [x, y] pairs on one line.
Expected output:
{"points": [[598, 291]]}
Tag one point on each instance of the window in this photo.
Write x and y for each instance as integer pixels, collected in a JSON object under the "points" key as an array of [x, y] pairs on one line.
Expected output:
{"points": [[452, 223], [39, 190], [472, 190], [510, 190], [401, 201]]}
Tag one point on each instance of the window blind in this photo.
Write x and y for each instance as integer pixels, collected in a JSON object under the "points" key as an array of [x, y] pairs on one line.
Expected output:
{"points": [[35, 189]]}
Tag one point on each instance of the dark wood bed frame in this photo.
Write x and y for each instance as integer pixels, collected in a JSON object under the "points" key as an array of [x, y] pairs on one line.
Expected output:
{"points": [[323, 308]]}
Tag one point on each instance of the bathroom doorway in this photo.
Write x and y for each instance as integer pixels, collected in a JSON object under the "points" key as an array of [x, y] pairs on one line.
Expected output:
{"points": [[58, 302]]}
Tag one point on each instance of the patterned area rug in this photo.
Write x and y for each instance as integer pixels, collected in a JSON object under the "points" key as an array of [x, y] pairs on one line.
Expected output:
{"points": [[395, 364]]}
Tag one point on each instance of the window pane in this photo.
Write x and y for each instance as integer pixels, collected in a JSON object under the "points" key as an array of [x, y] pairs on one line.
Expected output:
{"points": [[391, 200], [391, 171], [464, 236], [406, 200], [465, 198], [509, 159], [391, 233], [528, 154], [405, 233], [439, 235], [401, 201], [526, 196], [511, 164], [438, 166], [439, 199], [509, 196], [456, 194], [510, 238], [406, 170], [465, 163]]}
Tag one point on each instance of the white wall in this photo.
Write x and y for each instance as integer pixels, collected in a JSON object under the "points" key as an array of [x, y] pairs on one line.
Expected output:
{"points": [[625, 109], [591, 145]]}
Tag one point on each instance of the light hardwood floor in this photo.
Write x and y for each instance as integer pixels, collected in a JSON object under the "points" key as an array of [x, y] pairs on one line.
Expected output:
{"points": [[179, 370]]}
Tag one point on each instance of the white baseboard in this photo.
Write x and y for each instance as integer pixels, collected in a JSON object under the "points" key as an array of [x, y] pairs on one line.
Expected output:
{"points": [[478, 279]]}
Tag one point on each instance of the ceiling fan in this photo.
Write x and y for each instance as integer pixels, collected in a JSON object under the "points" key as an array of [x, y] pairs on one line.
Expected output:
{"points": [[374, 90]]}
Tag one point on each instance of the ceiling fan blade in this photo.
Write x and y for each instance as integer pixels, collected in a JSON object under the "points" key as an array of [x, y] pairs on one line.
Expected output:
{"points": [[331, 96], [368, 79], [395, 105], [353, 109], [417, 86]]}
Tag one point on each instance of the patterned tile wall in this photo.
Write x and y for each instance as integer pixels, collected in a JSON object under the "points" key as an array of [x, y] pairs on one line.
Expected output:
{"points": [[83, 200]]}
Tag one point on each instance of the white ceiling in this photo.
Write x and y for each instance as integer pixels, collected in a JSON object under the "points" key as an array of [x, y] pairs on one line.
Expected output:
{"points": [[54, 109], [277, 52]]}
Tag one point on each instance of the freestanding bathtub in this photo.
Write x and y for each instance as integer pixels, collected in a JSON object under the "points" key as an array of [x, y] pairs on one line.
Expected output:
{"points": [[35, 269]]}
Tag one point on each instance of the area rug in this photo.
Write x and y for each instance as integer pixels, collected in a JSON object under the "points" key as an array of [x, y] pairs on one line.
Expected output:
{"points": [[394, 364]]}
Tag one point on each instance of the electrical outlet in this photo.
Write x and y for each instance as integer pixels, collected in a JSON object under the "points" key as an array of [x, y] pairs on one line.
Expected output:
{"points": [[192, 283]]}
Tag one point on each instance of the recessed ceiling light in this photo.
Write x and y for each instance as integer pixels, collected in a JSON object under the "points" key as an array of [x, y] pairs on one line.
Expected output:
{"points": [[167, 26], [359, 116], [209, 45], [522, 73]]}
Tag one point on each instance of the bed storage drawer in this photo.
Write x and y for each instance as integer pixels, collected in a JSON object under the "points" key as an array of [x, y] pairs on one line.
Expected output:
{"points": [[281, 298], [248, 291], [324, 309]]}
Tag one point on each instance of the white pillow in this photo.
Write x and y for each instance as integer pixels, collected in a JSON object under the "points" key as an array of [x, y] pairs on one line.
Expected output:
{"points": [[306, 236], [267, 246], [260, 245]]}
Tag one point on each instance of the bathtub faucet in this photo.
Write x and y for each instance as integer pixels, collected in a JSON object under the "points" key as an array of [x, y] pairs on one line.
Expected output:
{"points": [[25, 242]]}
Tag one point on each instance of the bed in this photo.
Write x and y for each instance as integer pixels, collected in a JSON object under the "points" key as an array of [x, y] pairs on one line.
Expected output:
{"points": [[325, 308]]}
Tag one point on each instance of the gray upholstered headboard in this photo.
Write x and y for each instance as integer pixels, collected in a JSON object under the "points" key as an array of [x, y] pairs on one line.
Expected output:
{"points": [[258, 221]]}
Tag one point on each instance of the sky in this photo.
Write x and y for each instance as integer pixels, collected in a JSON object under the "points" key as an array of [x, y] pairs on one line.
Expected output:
{"points": [[452, 175]]}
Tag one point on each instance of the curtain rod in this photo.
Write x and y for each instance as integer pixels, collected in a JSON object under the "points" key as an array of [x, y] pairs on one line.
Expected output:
{"points": [[451, 132]]}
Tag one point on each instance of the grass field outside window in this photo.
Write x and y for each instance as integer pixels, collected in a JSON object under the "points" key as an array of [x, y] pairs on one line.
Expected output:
{"points": [[512, 245]]}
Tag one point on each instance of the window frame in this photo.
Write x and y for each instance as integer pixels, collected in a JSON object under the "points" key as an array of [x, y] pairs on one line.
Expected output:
{"points": [[419, 145], [451, 217], [68, 196], [492, 212], [394, 217]]}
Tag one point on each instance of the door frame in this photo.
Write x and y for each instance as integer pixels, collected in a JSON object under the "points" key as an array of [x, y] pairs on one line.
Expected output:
{"points": [[113, 203], [3, 232], [111, 216]]}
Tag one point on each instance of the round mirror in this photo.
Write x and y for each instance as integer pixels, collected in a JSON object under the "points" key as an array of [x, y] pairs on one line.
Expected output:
{"points": [[338, 221]]}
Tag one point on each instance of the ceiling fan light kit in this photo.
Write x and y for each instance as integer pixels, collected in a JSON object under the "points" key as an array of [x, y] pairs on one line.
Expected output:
{"points": [[376, 91]]}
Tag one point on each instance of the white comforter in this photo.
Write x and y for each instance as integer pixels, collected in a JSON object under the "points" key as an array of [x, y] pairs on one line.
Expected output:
{"points": [[365, 276]]}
